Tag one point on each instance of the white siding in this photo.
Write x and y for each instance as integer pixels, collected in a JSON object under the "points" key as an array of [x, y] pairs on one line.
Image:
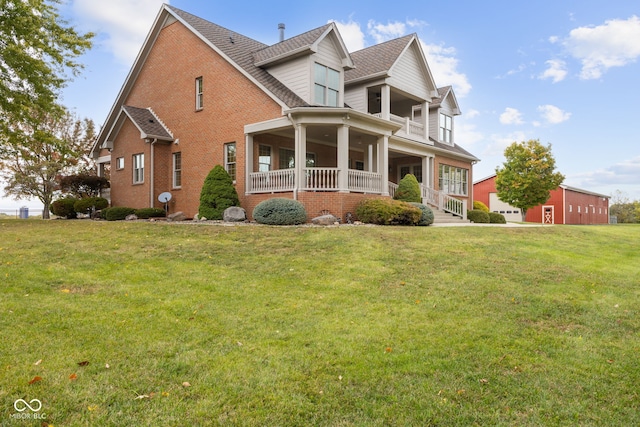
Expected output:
{"points": [[328, 54], [497, 205], [408, 75], [296, 75], [356, 98], [434, 116]]}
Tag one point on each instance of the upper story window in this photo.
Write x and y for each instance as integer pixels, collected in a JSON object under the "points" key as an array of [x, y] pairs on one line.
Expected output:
{"points": [[177, 170], [230, 159], [138, 168], [199, 94], [446, 128], [326, 85], [120, 163]]}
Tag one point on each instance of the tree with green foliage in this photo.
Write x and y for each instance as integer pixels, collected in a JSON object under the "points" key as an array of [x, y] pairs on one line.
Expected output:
{"points": [[218, 194], [32, 159], [408, 189], [528, 175], [625, 210], [37, 50]]}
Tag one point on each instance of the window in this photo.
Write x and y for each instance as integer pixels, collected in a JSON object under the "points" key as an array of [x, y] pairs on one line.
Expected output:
{"points": [[453, 180], [416, 170], [570, 208], [177, 170], [359, 165], [264, 158], [446, 127], [120, 163], [579, 208], [199, 94], [288, 159], [327, 85], [138, 168], [230, 159]]}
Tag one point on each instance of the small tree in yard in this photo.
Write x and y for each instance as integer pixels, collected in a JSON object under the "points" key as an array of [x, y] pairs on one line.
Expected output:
{"points": [[528, 175], [218, 194], [408, 189]]}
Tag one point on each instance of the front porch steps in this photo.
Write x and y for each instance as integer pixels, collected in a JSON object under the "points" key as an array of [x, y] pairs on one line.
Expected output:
{"points": [[442, 217]]}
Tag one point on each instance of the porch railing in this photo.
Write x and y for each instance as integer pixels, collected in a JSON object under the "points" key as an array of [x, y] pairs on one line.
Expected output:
{"points": [[366, 182], [321, 179], [272, 181], [408, 126], [444, 202]]}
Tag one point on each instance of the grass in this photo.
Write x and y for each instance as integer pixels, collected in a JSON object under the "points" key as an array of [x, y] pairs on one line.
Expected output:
{"points": [[349, 326]]}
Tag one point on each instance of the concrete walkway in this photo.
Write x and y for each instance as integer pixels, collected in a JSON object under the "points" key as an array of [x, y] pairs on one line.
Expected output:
{"points": [[472, 224]]}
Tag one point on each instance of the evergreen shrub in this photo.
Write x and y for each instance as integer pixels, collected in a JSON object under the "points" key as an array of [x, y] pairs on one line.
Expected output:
{"points": [[478, 216], [280, 211], [118, 213], [64, 208], [218, 194], [146, 213], [408, 189], [497, 218], [388, 212], [427, 214], [83, 205]]}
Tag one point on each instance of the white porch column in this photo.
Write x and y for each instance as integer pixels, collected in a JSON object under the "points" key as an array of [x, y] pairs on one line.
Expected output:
{"points": [[248, 165], [425, 120], [383, 163], [369, 165], [385, 102], [343, 158], [300, 156]]}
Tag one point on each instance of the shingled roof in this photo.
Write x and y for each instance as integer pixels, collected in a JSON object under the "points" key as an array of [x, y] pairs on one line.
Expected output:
{"points": [[241, 50], [377, 59], [455, 148], [298, 43], [148, 123]]}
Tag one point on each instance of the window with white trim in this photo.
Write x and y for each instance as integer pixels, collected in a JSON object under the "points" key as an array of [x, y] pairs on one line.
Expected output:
{"points": [[138, 168], [453, 180], [199, 94], [177, 170], [120, 163], [326, 85], [264, 158], [446, 129], [230, 159], [288, 159]]}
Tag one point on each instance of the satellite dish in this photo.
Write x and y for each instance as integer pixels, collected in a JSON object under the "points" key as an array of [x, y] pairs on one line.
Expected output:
{"points": [[164, 197]]}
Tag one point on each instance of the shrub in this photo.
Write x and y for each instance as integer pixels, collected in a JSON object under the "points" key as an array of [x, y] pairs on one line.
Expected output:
{"points": [[145, 213], [83, 205], [497, 218], [478, 216], [218, 193], [84, 184], [408, 189], [280, 211], [388, 212], [118, 213], [427, 214], [64, 208], [480, 206]]}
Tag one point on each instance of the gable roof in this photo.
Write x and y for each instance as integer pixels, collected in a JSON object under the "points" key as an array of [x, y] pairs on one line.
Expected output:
{"points": [[563, 186], [443, 93], [149, 125], [376, 60]]}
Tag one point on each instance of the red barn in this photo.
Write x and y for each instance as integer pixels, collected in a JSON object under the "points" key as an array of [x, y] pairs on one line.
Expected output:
{"points": [[566, 205]]}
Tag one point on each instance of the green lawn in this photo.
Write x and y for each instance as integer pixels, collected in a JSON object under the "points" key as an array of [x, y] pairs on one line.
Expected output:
{"points": [[185, 325]]}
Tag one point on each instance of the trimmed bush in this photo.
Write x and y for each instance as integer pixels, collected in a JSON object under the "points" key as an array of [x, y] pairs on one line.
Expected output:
{"points": [[497, 218], [146, 213], [388, 212], [118, 213], [64, 208], [408, 189], [427, 214], [85, 204], [478, 216], [480, 206], [218, 194], [280, 211]]}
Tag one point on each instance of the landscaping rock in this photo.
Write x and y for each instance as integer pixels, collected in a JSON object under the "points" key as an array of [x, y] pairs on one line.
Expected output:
{"points": [[324, 220], [234, 214], [131, 217], [176, 216]]}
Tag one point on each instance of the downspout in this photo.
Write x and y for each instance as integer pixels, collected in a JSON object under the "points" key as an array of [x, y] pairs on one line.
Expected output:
{"points": [[295, 132], [152, 173]]}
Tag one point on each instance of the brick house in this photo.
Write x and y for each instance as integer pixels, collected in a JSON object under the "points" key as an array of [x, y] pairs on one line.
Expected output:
{"points": [[302, 119], [566, 205]]}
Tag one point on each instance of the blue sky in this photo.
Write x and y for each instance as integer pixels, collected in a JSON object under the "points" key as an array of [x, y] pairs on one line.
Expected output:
{"points": [[564, 72]]}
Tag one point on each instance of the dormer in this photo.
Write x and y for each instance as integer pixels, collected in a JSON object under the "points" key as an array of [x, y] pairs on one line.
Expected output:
{"points": [[441, 114], [312, 65]]}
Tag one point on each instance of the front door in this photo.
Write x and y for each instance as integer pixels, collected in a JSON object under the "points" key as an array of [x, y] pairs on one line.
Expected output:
{"points": [[547, 215], [416, 170]]}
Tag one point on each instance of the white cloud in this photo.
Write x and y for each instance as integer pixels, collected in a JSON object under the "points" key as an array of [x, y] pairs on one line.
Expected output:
{"points": [[613, 44], [351, 34], [383, 32], [124, 23], [552, 114], [499, 142], [511, 116], [471, 114], [556, 71], [443, 65], [623, 175]]}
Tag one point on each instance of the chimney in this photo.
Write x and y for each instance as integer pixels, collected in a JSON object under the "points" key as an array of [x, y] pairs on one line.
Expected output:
{"points": [[281, 28]]}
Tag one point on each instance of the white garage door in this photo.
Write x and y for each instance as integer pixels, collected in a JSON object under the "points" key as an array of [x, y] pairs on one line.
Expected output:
{"points": [[510, 213]]}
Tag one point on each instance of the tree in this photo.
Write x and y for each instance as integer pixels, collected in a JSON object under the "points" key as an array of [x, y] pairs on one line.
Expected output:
{"points": [[32, 158], [408, 189], [527, 176], [218, 194], [37, 49], [623, 209]]}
